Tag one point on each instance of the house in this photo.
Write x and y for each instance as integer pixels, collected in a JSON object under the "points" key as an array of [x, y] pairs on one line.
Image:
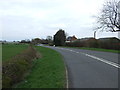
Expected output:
{"points": [[71, 39]]}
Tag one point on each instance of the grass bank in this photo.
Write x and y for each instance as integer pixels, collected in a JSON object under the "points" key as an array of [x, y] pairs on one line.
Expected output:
{"points": [[47, 72], [10, 50], [97, 49]]}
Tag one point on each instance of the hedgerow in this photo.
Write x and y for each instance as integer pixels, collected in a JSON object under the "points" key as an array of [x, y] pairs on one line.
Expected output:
{"points": [[14, 70]]}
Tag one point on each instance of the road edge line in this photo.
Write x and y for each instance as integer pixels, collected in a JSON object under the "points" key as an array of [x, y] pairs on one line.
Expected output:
{"points": [[66, 72]]}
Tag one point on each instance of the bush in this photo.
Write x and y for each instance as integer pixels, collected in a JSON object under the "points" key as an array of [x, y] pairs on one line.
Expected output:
{"points": [[51, 44], [6, 81]]}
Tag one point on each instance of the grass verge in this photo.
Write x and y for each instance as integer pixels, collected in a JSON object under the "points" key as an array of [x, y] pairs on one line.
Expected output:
{"points": [[47, 72], [97, 49]]}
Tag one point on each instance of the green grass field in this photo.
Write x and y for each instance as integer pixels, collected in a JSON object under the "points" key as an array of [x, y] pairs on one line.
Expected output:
{"points": [[47, 72], [10, 50]]}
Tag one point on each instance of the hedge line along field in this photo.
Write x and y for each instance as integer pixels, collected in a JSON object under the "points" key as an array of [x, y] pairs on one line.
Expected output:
{"points": [[14, 70], [47, 72], [10, 50]]}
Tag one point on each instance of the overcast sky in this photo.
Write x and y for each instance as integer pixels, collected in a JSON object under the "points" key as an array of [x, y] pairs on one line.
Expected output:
{"points": [[27, 19]]}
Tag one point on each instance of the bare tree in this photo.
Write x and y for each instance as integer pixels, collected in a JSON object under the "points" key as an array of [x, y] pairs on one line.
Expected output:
{"points": [[66, 34], [109, 19], [49, 38]]}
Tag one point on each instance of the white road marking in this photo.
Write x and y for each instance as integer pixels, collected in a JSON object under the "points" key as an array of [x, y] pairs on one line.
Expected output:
{"points": [[105, 61], [94, 57], [66, 77]]}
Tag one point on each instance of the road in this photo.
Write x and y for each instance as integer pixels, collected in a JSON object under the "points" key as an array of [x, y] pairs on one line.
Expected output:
{"points": [[90, 69]]}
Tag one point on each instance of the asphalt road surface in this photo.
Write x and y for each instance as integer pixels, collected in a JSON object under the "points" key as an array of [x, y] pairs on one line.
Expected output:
{"points": [[90, 69]]}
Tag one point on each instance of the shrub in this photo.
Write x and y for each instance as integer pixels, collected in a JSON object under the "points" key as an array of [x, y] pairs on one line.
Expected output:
{"points": [[6, 81], [51, 44]]}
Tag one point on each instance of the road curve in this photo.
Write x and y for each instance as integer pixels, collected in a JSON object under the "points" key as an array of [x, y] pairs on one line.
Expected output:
{"points": [[90, 69]]}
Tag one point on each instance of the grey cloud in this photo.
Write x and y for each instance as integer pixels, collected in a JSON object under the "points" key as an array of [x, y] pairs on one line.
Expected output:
{"points": [[26, 19]]}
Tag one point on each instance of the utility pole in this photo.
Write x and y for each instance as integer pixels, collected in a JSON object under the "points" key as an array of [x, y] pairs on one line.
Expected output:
{"points": [[94, 34], [119, 12]]}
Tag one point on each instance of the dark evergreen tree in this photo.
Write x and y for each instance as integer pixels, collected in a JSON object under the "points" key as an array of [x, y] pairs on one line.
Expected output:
{"points": [[60, 38]]}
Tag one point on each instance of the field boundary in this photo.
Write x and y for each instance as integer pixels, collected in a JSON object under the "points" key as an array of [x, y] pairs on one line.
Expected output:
{"points": [[14, 69]]}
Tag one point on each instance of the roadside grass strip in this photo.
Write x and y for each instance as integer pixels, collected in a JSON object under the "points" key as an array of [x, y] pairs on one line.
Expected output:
{"points": [[47, 72], [96, 49], [100, 49]]}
